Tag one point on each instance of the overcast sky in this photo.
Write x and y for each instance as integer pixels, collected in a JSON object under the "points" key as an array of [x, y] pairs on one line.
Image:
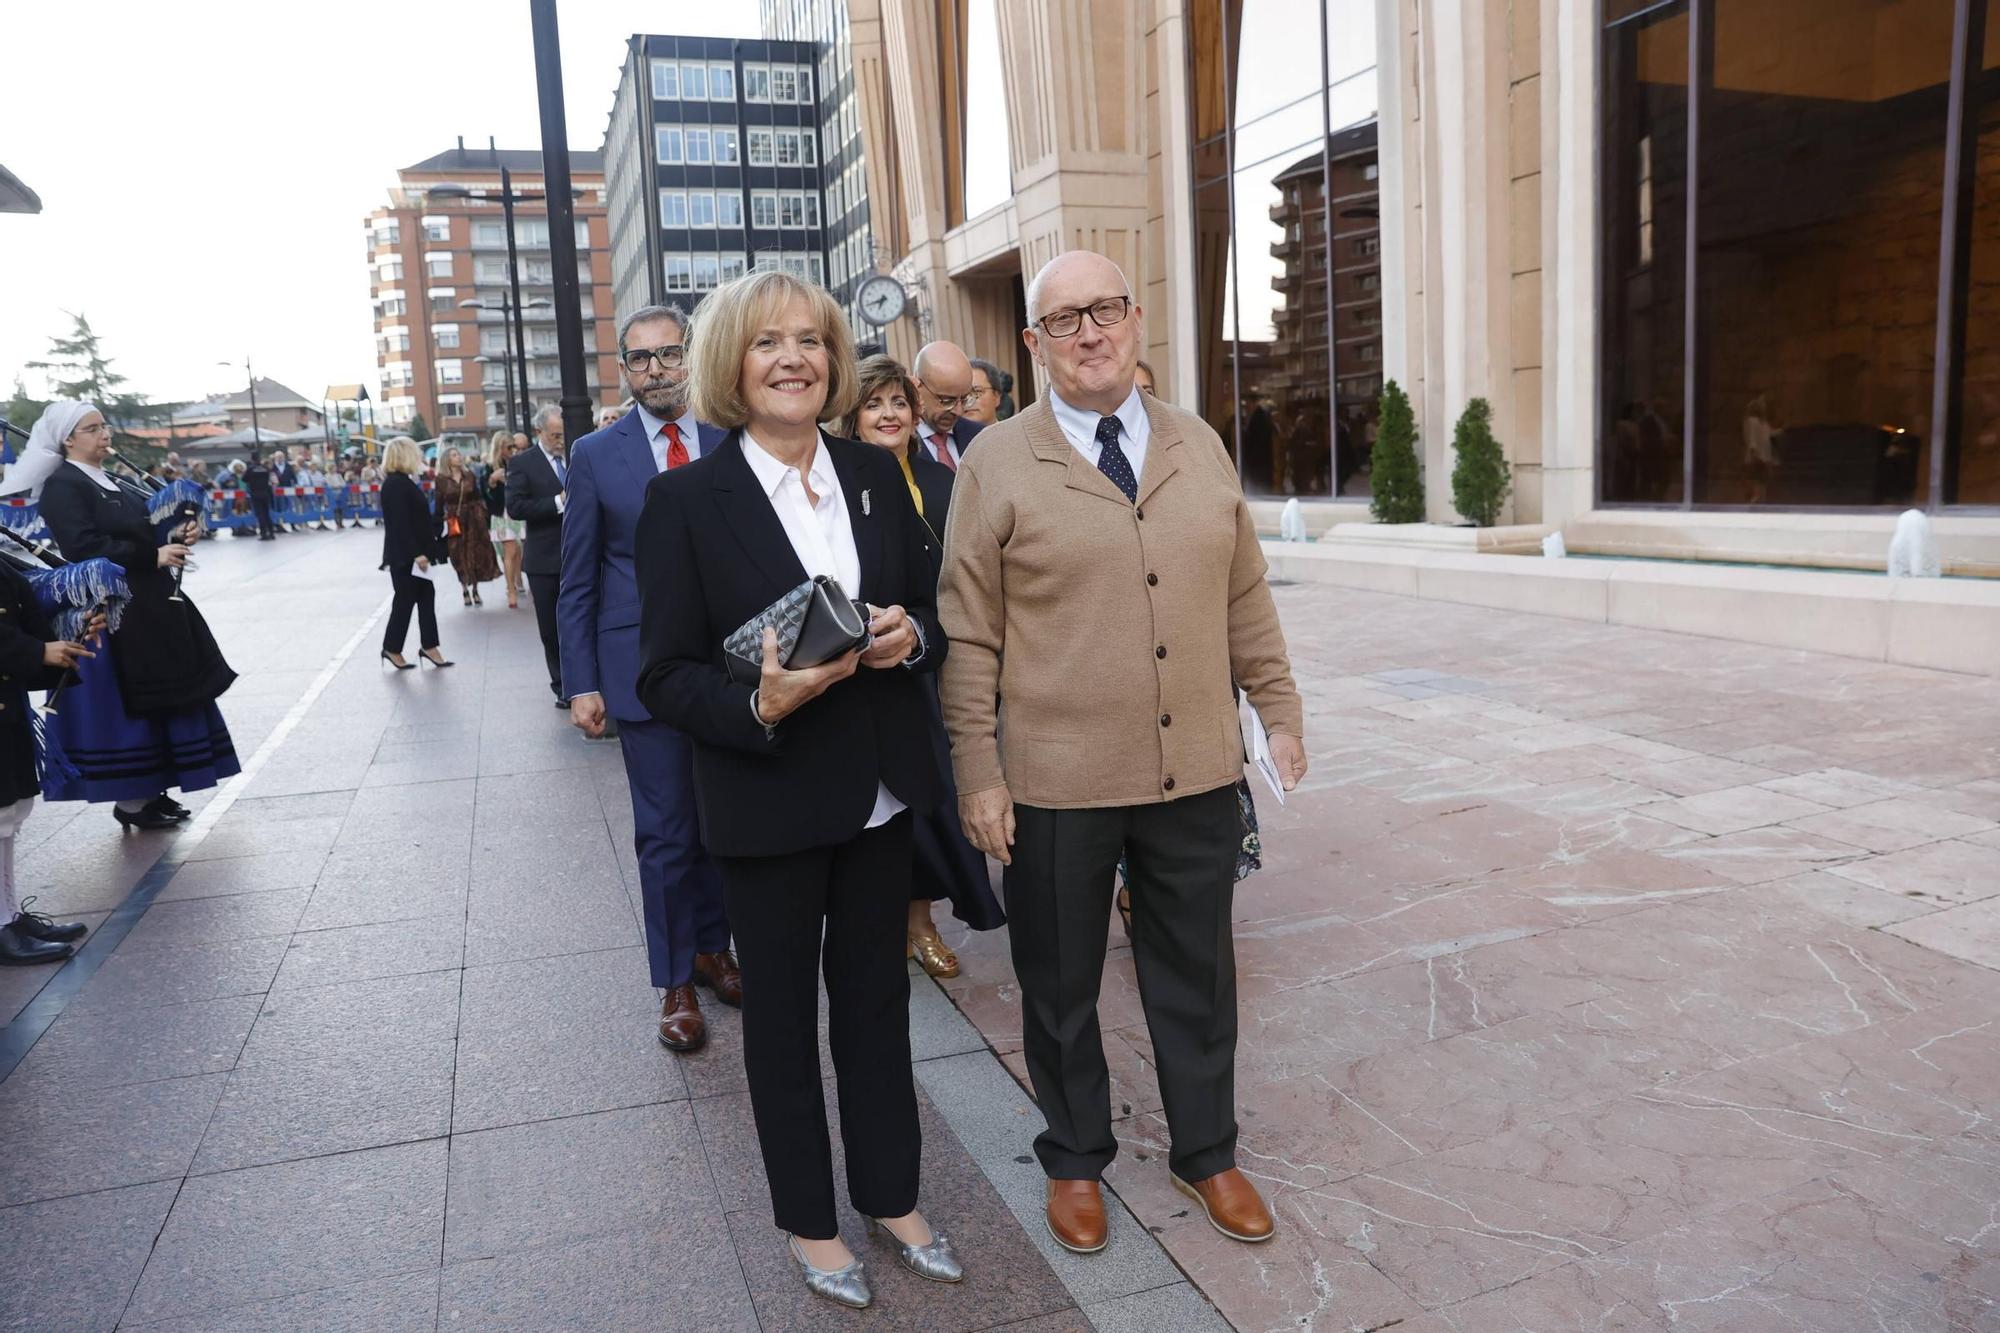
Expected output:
{"points": [[205, 169]]}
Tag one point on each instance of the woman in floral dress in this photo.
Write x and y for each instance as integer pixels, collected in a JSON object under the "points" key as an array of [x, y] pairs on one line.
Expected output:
{"points": [[462, 510]]}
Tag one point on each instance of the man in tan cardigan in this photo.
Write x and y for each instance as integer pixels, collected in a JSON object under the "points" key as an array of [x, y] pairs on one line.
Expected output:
{"points": [[1104, 594]]}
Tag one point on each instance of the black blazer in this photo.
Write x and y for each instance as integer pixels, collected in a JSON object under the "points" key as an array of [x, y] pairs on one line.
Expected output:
{"points": [[24, 631], [711, 553], [409, 529], [934, 481], [88, 521], [532, 489]]}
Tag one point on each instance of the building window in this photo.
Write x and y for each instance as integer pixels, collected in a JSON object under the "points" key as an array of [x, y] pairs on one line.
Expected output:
{"points": [[694, 83], [680, 274], [489, 235], [701, 209], [810, 202], [389, 270], [805, 83], [725, 146], [1270, 376], [451, 372], [788, 147], [389, 234], [784, 83], [489, 270], [391, 305], [791, 209], [756, 83], [722, 83], [809, 148], [451, 408], [437, 266], [492, 342], [673, 208], [1776, 345], [818, 268], [732, 266], [666, 81], [697, 147], [437, 229], [760, 148], [795, 265], [447, 335], [764, 209], [728, 208], [667, 144], [706, 270]]}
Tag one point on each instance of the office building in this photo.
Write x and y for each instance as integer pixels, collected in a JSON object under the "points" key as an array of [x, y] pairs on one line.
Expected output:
{"points": [[442, 293], [713, 164]]}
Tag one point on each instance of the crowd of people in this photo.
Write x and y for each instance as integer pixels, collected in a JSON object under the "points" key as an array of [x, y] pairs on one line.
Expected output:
{"points": [[1039, 622]]}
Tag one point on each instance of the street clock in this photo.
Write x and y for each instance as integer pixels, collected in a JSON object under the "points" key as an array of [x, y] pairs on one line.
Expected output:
{"points": [[882, 300]]}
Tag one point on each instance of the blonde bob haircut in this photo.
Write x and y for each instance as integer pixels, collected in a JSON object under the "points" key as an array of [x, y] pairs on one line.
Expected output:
{"points": [[730, 319], [402, 455]]}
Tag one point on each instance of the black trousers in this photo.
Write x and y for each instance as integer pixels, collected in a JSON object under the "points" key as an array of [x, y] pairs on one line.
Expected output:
{"points": [[545, 588], [1182, 862], [260, 505], [841, 910], [412, 590]]}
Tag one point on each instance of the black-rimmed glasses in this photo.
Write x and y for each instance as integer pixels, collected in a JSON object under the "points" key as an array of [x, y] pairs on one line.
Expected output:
{"points": [[1104, 314], [669, 357]]}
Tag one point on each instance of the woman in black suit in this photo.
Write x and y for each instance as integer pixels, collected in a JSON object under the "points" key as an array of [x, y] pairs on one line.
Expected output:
{"points": [[808, 781], [410, 544], [947, 866]]}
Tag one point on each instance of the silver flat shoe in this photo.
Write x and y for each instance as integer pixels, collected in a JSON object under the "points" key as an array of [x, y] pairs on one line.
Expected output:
{"points": [[935, 1261], [848, 1285]]}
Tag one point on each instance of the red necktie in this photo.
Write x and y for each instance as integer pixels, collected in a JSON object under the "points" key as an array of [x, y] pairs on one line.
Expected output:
{"points": [[943, 452], [677, 453]]}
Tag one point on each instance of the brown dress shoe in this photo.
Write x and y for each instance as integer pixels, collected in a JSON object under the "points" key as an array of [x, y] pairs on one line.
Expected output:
{"points": [[1232, 1204], [718, 972], [1076, 1215], [682, 1028]]}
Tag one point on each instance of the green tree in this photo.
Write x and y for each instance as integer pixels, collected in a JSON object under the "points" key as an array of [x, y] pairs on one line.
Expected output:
{"points": [[23, 410], [77, 367], [1394, 473], [419, 428], [1480, 479]]}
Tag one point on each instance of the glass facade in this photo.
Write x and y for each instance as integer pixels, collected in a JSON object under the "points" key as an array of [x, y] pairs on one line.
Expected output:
{"points": [[1287, 235], [1783, 327]]}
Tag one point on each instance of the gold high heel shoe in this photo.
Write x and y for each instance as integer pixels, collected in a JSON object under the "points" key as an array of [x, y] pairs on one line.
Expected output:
{"points": [[933, 955]]}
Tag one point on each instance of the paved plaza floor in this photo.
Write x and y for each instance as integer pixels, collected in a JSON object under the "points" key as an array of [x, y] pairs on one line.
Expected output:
{"points": [[1596, 979]]}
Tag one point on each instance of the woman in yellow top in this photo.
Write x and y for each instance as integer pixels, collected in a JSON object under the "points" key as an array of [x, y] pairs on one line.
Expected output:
{"points": [[946, 866]]}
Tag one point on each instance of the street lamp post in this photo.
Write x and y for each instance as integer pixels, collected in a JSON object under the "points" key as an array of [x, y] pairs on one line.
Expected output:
{"points": [[562, 225], [256, 432], [514, 282], [514, 317]]}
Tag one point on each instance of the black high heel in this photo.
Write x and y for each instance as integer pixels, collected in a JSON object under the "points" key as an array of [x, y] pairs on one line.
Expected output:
{"points": [[390, 658], [440, 661]]}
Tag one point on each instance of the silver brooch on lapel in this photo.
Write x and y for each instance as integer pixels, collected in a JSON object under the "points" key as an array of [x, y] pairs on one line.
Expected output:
{"points": [[864, 504]]}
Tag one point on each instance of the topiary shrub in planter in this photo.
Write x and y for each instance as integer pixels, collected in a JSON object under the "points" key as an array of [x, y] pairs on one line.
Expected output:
{"points": [[1395, 475], [1480, 479]]}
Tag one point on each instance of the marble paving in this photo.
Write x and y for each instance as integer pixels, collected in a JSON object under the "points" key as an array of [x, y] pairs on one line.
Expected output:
{"points": [[1599, 979]]}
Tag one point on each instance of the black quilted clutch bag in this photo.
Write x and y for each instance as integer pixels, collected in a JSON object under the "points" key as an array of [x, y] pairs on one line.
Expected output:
{"points": [[816, 622]]}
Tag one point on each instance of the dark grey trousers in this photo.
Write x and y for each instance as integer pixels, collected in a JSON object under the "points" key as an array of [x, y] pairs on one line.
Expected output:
{"points": [[1182, 861]]}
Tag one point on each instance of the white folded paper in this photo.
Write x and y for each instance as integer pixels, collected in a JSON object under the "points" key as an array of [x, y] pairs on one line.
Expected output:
{"points": [[1257, 744]]}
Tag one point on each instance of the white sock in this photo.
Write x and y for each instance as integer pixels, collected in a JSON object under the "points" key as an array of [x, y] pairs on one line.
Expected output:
{"points": [[12, 816], [134, 807]]}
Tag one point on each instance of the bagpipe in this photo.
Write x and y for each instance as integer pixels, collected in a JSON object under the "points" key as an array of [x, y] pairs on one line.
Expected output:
{"points": [[170, 505]]}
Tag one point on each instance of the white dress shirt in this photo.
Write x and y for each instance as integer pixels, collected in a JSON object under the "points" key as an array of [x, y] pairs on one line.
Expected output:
{"points": [[931, 439], [656, 435], [823, 539], [1135, 431], [96, 474]]}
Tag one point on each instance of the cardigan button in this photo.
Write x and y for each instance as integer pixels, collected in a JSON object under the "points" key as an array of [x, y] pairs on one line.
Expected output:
{"points": [[1141, 513], [1168, 785], [1152, 580], [1166, 719], [1160, 651]]}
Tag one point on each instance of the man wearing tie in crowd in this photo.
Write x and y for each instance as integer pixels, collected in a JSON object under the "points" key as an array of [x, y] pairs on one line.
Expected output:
{"points": [[597, 611], [537, 494], [944, 381], [1104, 594]]}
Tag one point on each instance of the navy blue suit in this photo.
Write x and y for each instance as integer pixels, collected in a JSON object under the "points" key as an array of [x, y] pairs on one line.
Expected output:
{"points": [[597, 623], [962, 431]]}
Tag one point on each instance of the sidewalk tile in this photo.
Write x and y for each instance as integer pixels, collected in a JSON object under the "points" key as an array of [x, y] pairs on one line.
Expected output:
{"points": [[406, 1303], [665, 1279], [243, 874], [205, 920], [141, 977], [270, 1231], [112, 1047], [386, 949], [97, 1243], [62, 1140], [1970, 931], [355, 1019], [278, 1112], [1175, 1309]]}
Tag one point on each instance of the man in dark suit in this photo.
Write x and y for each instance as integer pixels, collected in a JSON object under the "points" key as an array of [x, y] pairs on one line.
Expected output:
{"points": [[597, 614], [944, 378], [257, 480], [537, 494]]}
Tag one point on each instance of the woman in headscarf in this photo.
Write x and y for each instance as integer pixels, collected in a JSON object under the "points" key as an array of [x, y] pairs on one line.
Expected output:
{"points": [[461, 512], [141, 716]]}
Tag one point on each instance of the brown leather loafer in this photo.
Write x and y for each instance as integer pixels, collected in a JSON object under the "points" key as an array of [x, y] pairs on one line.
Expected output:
{"points": [[1076, 1215], [1232, 1203], [718, 972], [682, 1028]]}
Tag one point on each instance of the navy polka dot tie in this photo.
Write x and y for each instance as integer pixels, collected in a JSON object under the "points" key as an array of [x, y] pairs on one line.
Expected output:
{"points": [[1111, 460]]}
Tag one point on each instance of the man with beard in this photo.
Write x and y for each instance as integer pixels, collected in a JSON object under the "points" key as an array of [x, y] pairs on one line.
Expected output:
{"points": [[597, 620]]}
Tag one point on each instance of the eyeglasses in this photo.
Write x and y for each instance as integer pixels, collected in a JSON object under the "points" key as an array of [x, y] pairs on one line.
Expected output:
{"points": [[948, 402], [1104, 314], [669, 357]]}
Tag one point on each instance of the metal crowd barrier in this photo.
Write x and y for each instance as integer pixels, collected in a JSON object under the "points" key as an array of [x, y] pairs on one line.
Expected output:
{"points": [[229, 508]]}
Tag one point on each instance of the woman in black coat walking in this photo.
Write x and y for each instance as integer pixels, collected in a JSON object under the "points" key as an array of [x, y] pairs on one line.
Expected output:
{"points": [[410, 545]]}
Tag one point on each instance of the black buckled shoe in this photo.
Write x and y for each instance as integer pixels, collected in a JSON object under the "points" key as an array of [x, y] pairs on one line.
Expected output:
{"points": [[146, 821], [37, 926], [166, 805], [19, 950]]}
